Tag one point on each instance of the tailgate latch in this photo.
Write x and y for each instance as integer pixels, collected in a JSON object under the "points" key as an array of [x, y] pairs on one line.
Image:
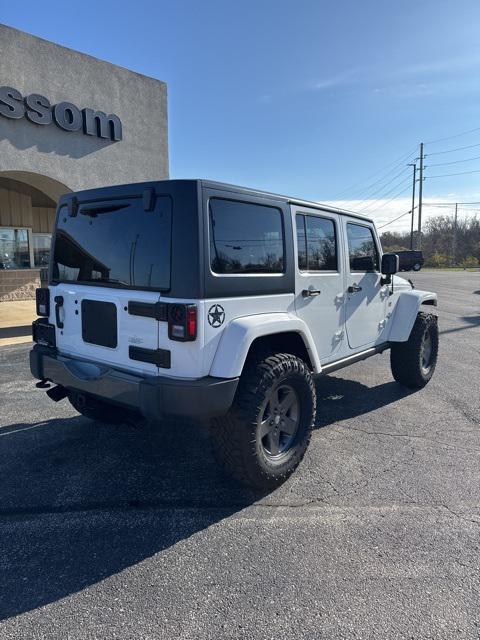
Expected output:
{"points": [[58, 305]]}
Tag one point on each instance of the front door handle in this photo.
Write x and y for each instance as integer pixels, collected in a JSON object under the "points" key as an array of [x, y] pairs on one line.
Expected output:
{"points": [[354, 288], [310, 293], [58, 304]]}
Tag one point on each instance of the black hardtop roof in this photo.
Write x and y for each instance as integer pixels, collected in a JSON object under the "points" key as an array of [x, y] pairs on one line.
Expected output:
{"points": [[125, 190]]}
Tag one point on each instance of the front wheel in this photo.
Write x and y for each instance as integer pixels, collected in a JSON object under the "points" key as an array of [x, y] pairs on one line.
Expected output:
{"points": [[417, 266], [413, 362], [264, 436]]}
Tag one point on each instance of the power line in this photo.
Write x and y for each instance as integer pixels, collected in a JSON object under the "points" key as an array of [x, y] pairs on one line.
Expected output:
{"points": [[444, 164], [445, 175], [382, 187], [388, 192], [452, 204], [383, 204], [457, 135], [420, 196], [395, 219], [438, 153], [396, 163], [445, 204]]}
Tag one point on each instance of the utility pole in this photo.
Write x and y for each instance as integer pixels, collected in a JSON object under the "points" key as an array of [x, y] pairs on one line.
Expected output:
{"points": [[420, 195], [414, 165], [454, 243]]}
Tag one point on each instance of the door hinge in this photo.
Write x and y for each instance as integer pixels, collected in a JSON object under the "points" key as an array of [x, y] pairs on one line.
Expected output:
{"points": [[156, 310], [340, 298], [158, 357], [381, 324], [338, 335]]}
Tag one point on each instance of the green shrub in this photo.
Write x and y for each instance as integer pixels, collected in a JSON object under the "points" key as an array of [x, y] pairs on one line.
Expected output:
{"points": [[469, 262], [438, 260]]}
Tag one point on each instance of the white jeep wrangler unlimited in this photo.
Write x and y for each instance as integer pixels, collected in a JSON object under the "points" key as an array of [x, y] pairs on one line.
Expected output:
{"points": [[199, 299]]}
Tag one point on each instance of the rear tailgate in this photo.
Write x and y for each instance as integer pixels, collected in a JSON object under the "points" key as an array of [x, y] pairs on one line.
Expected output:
{"points": [[97, 325]]}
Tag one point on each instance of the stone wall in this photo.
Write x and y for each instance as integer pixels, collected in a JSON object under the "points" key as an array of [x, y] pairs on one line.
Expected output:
{"points": [[18, 284]]}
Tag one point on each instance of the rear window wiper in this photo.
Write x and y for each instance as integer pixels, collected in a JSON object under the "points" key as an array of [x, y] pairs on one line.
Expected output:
{"points": [[93, 210], [109, 281]]}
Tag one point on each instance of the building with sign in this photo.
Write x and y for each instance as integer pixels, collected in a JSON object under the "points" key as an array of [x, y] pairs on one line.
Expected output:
{"points": [[67, 122]]}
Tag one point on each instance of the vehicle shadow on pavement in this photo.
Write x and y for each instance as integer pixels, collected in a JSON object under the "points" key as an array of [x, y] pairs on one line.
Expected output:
{"points": [[340, 399], [473, 321], [81, 501]]}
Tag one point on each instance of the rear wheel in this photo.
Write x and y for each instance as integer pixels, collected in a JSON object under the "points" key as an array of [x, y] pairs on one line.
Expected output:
{"points": [[263, 438], [98, 410], [413, 362]]}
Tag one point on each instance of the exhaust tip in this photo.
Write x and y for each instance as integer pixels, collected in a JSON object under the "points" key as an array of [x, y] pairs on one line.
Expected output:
{"points": [[57, 393]]}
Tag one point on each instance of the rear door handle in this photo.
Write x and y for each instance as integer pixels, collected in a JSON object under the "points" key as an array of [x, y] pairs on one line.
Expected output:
{"points": [[58, 304], [354, 288], [309, 293]]}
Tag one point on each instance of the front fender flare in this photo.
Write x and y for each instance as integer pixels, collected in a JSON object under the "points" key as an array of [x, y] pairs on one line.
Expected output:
{"points": [[238, 336], [406, 311]]}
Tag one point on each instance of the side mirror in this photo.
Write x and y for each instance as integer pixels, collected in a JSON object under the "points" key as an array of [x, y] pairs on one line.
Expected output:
{"points": [[390, 264]]}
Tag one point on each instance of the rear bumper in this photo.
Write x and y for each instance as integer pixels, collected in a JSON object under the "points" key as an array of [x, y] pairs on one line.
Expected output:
{"points": [[153, 396]]}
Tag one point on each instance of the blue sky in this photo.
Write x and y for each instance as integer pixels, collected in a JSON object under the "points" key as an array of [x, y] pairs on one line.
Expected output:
{"points": [[299, 97]]}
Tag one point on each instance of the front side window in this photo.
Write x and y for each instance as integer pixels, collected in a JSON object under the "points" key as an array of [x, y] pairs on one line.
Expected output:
{"points": [[14, 249], [363, 253], [317, 245], [245, 238]]}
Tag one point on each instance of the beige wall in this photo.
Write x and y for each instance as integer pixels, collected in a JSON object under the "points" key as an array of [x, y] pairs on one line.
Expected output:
{"points": [[16, 210], [43, 219], [32, 65]]}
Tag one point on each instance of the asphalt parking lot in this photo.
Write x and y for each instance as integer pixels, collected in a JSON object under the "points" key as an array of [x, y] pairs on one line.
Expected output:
{"points": [[132, 532]]}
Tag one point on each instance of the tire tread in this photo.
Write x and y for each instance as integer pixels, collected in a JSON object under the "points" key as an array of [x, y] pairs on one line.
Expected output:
{"points": [[405, 356], [233, 443]]}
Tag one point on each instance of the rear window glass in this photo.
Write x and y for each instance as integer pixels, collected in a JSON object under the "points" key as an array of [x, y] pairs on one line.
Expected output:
{"points": [[245, 238], [115, 243]]}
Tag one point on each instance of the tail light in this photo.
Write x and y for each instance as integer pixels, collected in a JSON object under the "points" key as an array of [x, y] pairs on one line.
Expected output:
{"points": [[42, 298], [182, 322]]}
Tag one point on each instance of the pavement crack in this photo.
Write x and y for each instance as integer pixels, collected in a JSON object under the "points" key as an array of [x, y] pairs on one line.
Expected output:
{"points": [[411, 436], [461, 516]]}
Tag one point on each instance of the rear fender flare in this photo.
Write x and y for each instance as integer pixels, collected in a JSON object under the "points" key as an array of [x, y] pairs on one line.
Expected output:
{"points": [[239, 334], [406, 311]]}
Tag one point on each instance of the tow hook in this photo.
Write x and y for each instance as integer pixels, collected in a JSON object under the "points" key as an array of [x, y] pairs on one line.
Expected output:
{"points": [[57, 393]]}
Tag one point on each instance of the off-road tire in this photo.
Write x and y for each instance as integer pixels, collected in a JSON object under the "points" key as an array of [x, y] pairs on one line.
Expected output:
{"points": [[98, 410], [236, 436], [406, 357]]}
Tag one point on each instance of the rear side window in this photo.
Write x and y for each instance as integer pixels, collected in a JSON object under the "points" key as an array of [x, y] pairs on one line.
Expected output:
{"points": [[317, 243], [245, 238], [362, 250]]}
